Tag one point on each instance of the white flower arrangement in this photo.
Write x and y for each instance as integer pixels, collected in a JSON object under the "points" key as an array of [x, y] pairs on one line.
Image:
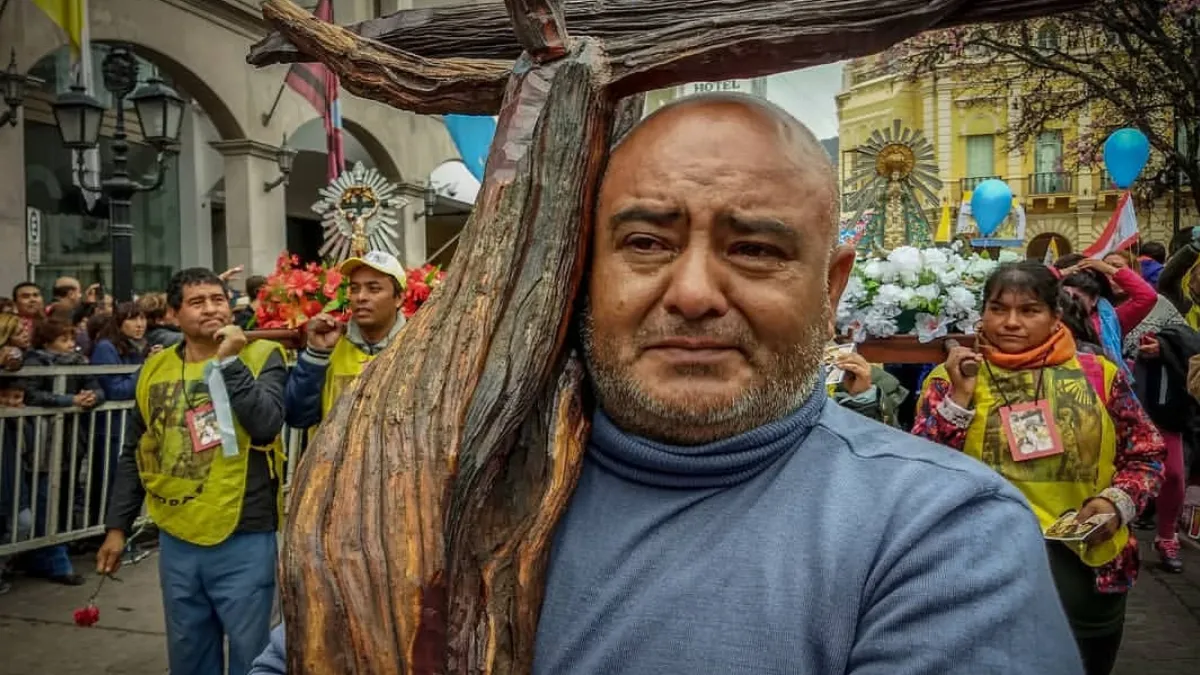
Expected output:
{"points": [[924, 292]]}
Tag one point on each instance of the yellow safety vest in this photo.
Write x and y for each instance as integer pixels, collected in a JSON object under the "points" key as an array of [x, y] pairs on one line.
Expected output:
{"points": [[1193, 315], [345, 364], [1057, 484], [194, 496]]}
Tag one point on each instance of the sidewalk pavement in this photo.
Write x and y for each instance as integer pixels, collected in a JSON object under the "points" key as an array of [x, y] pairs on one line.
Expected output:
{"points": [[38, 635], [1162, 623]]}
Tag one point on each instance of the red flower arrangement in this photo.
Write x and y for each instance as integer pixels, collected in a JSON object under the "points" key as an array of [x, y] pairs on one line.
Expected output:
{"points": [[294, 294], [419, 283]]}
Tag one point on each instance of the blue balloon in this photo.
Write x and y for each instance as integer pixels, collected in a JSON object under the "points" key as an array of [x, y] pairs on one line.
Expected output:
{"points": [[1125, 153], [990, 203]]}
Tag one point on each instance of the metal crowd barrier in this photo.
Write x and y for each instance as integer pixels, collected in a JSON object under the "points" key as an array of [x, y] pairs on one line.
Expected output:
{"points": [[41, 506]]}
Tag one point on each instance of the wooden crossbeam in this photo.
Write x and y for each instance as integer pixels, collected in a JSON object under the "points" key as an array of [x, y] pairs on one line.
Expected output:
{"points": [[482, 31], [452, 60]]}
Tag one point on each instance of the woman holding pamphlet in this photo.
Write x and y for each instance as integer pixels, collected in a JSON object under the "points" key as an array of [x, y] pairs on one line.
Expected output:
{"points": [[1064, 427]]}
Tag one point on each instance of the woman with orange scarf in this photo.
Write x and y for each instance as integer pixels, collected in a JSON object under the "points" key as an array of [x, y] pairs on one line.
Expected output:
{"points": [[1066, 430]]}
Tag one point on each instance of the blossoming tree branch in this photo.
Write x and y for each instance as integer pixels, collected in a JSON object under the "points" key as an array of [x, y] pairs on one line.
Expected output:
{"points": [[1126, 63], [421, 515]]}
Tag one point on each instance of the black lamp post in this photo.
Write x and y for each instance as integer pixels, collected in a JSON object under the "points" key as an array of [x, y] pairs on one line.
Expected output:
{"points": [[160, 114]]}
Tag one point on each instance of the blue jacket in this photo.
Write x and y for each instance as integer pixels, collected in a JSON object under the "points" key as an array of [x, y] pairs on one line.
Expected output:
{"points": [[116, 387], [1151, 271], [302, 395]]}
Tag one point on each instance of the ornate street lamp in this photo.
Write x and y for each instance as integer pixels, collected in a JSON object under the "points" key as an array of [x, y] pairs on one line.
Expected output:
{"points": [[159, 111], [160, 114], [283, 158], [78, 117], [12, 88]]}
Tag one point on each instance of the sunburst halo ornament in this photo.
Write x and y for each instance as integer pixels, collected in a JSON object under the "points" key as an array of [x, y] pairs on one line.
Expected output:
{"points": [[899, 166], [359, 212]]}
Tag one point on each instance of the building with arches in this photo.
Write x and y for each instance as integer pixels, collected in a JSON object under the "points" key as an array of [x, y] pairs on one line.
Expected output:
{"points": [[212, 209], [966, 121]]}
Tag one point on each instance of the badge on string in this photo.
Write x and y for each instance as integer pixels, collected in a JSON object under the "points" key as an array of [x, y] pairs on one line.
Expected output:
{"points": [[1031, 431], [202, 424]]}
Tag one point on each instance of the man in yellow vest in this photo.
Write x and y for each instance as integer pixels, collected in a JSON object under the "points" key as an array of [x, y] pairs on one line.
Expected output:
{"points": [[203, 452], [332, 360]]}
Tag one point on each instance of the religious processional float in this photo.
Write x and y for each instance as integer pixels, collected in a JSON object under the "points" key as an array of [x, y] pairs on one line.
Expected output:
{"points": [[906, 297], [358, 212], [421, 515]]}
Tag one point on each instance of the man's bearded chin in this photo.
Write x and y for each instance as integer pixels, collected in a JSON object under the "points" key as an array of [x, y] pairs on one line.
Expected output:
{"points": [[781, 386]]}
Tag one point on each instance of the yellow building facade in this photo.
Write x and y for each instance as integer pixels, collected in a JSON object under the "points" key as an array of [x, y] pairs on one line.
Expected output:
{"points": [[965, 120]]}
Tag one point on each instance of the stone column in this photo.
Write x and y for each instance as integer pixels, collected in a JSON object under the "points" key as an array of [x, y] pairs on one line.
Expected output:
{"points": [[14, 267], [255, 220], [412, 243], [1016, 156], [1085, 230], [944, 139], [1088, 180], [195, 218]]}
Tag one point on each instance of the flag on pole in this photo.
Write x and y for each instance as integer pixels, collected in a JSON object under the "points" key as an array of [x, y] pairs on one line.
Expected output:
{"points": [[1120, 232], [943, 232], [69, 15], [83, 73], [72, 17], [335, 152], [319, 86], [1051, 253]]}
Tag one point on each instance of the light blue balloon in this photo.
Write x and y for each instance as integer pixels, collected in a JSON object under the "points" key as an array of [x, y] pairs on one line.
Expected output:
{"points": [[990, 203], [1125, 154]]}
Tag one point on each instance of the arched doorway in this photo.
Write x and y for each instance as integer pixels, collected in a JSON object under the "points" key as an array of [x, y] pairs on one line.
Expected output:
{"points": [[75, 239], [1039, 245]]}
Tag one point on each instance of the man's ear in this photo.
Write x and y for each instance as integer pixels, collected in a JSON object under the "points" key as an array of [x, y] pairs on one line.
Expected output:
{"points": [[841, 263]]}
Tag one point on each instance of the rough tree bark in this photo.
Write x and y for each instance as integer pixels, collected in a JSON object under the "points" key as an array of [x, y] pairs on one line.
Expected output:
{"points": [[421, 515], [479, 31], [649, 43]]}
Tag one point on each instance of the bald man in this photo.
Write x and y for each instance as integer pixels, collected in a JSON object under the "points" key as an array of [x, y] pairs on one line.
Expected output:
{"points": [[728, 517]]}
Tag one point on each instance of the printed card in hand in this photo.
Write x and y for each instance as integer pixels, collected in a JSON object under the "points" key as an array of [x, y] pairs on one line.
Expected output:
{"points": [[1066, 528], [833, 374]]}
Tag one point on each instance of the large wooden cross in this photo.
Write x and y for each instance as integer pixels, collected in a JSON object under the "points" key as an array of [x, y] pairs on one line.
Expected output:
{"points": [[421, 515]]}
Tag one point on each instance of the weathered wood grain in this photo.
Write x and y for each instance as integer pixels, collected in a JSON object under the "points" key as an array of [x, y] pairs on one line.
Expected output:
{"points": [[539, 28], [421, 515], [482, 31], [629, 112], [650, 44], [402, 79]]}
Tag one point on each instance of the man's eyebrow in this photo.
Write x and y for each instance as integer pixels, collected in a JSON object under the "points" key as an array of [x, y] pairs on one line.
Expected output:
{"points": [[760, 225], [639, 213]]}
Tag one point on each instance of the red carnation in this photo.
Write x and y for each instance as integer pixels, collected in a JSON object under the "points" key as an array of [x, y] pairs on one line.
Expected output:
{"points": [[87, 616]]}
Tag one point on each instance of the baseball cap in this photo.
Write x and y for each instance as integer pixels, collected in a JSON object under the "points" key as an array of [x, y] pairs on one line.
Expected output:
{"points": [[384, 263]]}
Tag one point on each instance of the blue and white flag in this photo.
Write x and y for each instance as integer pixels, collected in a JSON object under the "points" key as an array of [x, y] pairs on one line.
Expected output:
{"points": [[472, 136]]}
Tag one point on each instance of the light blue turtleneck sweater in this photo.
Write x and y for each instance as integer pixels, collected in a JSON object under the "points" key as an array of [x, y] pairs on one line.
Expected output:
{"points": [[823, 543], [820, 544]]}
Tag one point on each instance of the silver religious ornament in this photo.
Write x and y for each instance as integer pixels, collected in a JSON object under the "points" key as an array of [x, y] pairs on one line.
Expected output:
{"points": [[359, 212]]}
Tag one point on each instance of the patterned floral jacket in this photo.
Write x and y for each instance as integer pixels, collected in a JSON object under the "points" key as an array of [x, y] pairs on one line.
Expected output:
{"points": [[1139, 461]]}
